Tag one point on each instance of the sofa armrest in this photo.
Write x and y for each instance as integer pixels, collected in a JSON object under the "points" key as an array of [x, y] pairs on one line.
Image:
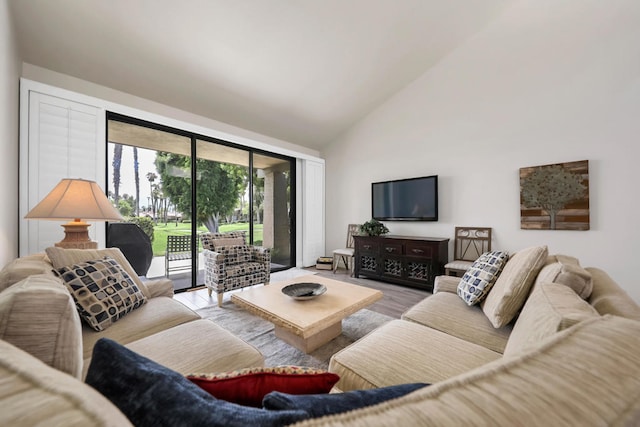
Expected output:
{"points": [[39, 316], [23, 267], [214, 262], [160, 287], [261, 254], [446, 284]]}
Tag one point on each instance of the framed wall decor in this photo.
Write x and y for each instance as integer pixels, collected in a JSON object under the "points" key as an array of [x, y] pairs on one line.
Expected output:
{"points": [[555, 197]]}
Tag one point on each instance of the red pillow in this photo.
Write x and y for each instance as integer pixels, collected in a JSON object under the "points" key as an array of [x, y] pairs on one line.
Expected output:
{"points": [[249, 386]]}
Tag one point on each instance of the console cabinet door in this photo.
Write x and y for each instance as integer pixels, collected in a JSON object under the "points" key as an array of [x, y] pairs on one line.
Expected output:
{"points": [[421, 262], [392, 263], [366, 256]]}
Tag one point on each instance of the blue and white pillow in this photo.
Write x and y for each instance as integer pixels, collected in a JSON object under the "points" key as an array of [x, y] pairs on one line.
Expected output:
{"points": [[102, 290], [480, 277]]}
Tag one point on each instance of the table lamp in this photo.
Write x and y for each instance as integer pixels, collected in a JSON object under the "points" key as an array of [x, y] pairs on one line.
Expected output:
{"points": [[71, 200]]}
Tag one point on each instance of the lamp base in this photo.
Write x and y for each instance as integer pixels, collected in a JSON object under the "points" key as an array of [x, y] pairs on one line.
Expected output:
{"points": [[76, 236]]}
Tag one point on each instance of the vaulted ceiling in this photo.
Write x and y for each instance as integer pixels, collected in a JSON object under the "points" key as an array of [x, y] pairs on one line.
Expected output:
{"points": [[303, 71]]}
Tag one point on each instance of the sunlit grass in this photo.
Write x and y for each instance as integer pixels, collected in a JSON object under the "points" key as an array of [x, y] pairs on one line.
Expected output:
{"points": [[162, 230]]}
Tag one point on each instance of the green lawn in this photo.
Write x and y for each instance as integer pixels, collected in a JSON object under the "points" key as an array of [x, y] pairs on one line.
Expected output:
{"points": [[161, 231]]}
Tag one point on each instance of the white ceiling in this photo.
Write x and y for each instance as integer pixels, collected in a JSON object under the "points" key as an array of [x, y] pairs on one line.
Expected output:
{"points": [[299, 70]]}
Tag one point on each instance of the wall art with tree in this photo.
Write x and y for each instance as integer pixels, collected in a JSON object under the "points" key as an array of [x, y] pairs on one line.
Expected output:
{"points": [[555, 197]]}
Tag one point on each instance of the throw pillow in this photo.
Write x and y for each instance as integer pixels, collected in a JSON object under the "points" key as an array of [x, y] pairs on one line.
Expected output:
{"points": [[512, 286], [219, 243], [550, 308], [319, 405], [249, 386], [480, 277], [61, 257], [102, 290], [566, 270], [150, 394], [212, 240]]}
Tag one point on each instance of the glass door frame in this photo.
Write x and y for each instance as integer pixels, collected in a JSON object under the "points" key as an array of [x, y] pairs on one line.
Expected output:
{"points": [[194, 137]]}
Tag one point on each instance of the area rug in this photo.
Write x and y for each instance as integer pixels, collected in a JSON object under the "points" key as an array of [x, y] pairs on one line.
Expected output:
{"points": [[259, 333]]}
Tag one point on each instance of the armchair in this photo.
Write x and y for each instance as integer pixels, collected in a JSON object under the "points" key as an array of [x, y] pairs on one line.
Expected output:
{"points": [[229, 263]]}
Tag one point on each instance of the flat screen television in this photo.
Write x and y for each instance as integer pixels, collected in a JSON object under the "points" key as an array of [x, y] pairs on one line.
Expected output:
{"points": [[413, 199]]}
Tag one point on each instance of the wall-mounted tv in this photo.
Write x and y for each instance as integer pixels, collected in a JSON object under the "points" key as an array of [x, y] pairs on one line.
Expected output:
{"points": [[413, 199]]}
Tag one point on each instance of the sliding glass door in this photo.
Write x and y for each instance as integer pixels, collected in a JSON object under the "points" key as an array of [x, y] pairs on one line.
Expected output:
{"points": [[271, 206], [176, 185], [246, 191], [148, 179]]}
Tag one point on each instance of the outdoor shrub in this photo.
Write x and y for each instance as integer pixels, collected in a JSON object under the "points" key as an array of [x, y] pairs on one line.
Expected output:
{"points": [[145, 223]]}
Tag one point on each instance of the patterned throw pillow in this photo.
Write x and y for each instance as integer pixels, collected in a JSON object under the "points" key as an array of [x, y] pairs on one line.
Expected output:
{"points": [[478, 280], [61, 257], [102, 290], [249, 386]]}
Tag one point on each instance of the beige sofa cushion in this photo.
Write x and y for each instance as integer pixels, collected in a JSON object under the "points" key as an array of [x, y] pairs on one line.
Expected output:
{"points": [[566, 270], [61, 257], [446, 284], [162, 287], [405, 352], [227, 352], [21, 268], [608, 297], [513, 285], [448, 313], [34, 394], [156, 315], [549, 309], [587, 375], [38, 315]]}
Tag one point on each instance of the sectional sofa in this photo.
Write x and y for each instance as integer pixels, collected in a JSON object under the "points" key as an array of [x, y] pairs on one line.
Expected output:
{"points": [[38, 315], [551, 344]]}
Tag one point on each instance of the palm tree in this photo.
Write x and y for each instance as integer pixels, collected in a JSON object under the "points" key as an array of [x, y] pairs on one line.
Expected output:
{"points": [[117, 162], [137, 179], [151, 176]]}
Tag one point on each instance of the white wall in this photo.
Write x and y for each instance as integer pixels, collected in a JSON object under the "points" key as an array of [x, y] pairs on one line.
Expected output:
{"points": [[549, 81], [223, 130], [9, 95]]}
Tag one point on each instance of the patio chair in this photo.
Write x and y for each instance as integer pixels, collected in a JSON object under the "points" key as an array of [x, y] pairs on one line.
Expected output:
{"points": [[178, 250], [229, 263]]}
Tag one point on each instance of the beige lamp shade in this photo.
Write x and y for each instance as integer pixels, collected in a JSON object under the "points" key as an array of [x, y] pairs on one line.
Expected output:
{"points": [[73, 199]]}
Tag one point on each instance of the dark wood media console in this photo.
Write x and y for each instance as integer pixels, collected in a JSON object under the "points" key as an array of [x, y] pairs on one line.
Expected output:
{"points": [[406, 260]]}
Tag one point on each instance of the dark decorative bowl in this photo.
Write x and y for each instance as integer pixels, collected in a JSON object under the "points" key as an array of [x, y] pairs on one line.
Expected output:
{"points": [[304, 291]]}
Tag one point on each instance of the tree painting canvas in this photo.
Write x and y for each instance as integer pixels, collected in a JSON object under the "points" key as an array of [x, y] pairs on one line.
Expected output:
{"points": [[555, 197]]}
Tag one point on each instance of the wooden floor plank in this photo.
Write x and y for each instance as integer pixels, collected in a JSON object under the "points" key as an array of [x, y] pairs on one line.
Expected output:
{"points": [[396, 298]]}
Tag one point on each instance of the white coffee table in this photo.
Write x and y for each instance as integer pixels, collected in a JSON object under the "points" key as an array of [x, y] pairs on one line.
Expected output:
{"points": [[307, 324]]}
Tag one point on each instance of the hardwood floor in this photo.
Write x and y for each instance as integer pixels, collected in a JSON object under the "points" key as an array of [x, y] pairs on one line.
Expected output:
{"points": [[396, 300]]}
